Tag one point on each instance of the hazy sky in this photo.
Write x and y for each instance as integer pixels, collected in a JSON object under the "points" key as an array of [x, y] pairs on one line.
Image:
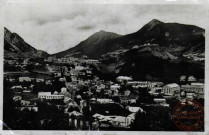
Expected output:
{"points": [[57, 27]]}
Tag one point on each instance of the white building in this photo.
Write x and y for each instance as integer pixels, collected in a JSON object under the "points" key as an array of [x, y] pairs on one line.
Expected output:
{"points": [[134, 109], [153, 85], [115, 87], [22, 79], [123, 78], [169, 89], [191, 79], [48, 95], [39, 80], [197, 84], [138, 84], [104, 101], [193, 88]]}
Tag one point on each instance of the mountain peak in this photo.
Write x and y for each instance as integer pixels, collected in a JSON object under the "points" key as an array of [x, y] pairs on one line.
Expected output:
{"points": [[6, 31], [155, 21], [152, 24], [102, 31]]}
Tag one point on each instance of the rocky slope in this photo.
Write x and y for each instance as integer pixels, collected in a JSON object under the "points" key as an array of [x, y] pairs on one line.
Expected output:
{"points": [[15, 46], [92, 46]]}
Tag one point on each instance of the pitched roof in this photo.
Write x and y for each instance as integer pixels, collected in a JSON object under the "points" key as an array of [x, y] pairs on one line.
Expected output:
{"points": [[119, 119], [172, 85]]}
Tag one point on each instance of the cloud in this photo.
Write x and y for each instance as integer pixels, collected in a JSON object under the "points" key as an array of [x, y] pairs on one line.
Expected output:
{"points": [[86, 27], [55, 27]]}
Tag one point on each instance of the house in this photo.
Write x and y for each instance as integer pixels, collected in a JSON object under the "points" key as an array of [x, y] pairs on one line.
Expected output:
{"points": [[137, 84], [128, 99], [27, 91], [123, 78], [27, 103], [153, 85], [104, 101], [62, 79], [48, 82], [183, 78], [30, 108], [88, 72], [101, 86], [156, 91], [16, 87], [17, 98], [79, 68], [190, 95], [39, 80], [197, 84], [74, 78], [169, 89], [161, 101], [121, 121], [127, 92], [57, 74], [48, 95], [130, 118], [63, 90], [192, 79], [134, 109], [91, 61], [74, 72], [193, 88], [115, 87], [12, 80], [22, 79], [115, 93]]}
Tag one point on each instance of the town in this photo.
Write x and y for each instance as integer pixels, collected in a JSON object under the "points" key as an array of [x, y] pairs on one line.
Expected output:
{"points": [[70, 94]]}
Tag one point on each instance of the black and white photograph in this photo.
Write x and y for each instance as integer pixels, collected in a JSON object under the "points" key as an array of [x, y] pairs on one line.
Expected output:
{"points": [[103, 67]]}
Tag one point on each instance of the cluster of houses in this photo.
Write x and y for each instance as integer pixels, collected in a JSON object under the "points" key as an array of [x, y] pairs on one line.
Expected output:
{"points": [[101, 92], [195, 57], [119, 121]]}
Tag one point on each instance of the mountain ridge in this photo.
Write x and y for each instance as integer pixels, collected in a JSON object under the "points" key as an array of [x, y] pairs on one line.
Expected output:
{"points": [[15, 46], [187, 38]]}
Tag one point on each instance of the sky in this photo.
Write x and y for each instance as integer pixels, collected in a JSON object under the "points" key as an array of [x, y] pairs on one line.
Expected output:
{"points": [[54, 27]]}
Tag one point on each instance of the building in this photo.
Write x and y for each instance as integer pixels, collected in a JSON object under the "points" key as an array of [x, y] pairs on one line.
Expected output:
{"points": [[183, 78], [134, 109], [161, 101], [63, 90], [127, 92], [30, 108], [192, 79], [115, 87], [121, 121], [138, 84], [169, 89], [128, 99], [17, 98], [48, 95], [197, 84], [16, 87], [27, 79], [104, 101], [193, 88], [123, 78], [39, 80], [153, 85]]}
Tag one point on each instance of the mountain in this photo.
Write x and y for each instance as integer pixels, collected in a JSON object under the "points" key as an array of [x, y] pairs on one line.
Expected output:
{"points": [[92, 46], [149, 62], [175, 38], [15, 46]]}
